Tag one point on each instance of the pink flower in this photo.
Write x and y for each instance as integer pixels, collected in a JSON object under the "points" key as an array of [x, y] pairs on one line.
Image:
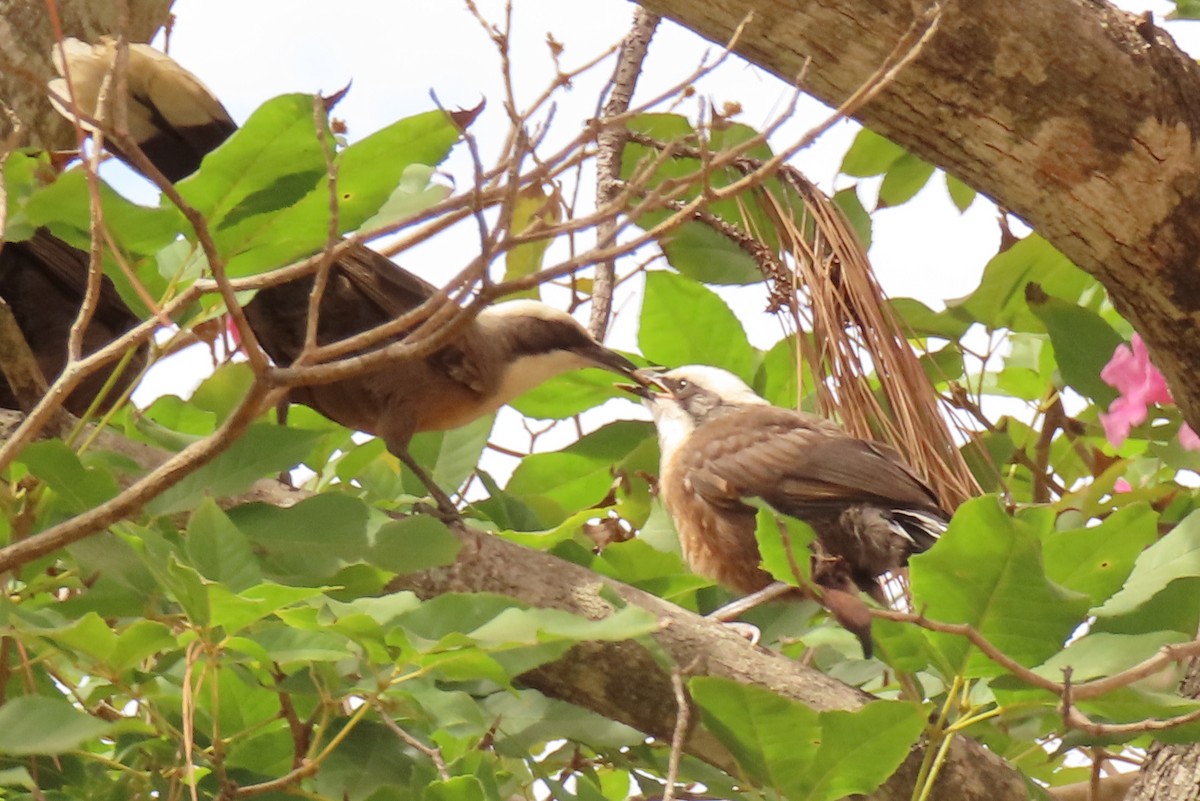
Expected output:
{"points": [[231, 327], [1188, 438], [1121, 485], [1141, 384]]}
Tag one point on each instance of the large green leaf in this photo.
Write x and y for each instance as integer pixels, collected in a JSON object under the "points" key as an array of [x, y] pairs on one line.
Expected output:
{"points": [[684, 322], [65, 207], [412, 544], [1097, 560], [80, 487], [905, 177], [263, 450], [581, 475], [218, 550], [803, 755], [309, 541], [999, 301], [368, 173], [870, 154], [42, 725], [569, 394], [1083, 343], [1175, 556], [986, 571]]}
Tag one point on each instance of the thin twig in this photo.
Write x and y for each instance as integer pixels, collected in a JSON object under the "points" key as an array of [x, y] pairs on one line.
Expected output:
{"points": [[610, 143], [683, 714]]}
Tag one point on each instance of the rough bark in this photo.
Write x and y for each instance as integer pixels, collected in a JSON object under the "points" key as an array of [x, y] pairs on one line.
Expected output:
{"points": [[26, 36], [1076, 115]]}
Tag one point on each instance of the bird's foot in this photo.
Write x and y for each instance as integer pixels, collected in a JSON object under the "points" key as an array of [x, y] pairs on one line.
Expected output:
{"points": [[749, 631]]}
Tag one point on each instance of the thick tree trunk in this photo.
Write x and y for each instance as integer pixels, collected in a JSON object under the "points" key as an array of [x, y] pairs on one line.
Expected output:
{"points": [[26, 37]]}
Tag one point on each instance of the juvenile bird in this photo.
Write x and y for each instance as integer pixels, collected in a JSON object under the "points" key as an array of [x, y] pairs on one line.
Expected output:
{"points": [[722, 444]]}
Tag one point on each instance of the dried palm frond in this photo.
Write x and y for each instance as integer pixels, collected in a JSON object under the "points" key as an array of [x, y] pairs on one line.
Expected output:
{"points": [[833, 295]]}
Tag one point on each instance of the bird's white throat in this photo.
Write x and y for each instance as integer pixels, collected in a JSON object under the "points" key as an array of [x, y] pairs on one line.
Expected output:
{"points": [[674, 424], [528, 372]]}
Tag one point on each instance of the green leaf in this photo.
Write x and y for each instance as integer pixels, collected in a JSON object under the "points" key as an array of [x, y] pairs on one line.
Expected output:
{"points": [[568, 394], [414, 194], [776, 378], [708, 333], [533, 210], [40, 725], [139, 641], [856, 214], [65, 207], [1185, 9], [450, 456], [705, 255], [986, 571], [905, 177], [235, 612], [1097, 560], [581, 475], [1175, 556], [783, 544], [773, 739], [999, 301], [269, 163], [1172, 609], [263, 450], [311, 540], [456, 788], [961, 195], [288, 645], [1103, 654], [920, 320], [412, 544], [368, 172], [1083, 343], [218, 550], [80, 487], [859, 750], [789, 748], [870, 154]]}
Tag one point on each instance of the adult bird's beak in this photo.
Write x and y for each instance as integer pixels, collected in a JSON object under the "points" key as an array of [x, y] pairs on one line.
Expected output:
{"points": [[610, 360]]}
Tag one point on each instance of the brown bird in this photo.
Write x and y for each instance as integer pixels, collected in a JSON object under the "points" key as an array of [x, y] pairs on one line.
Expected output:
{"points": [[723, 444], [44, 280], [509, 348]]}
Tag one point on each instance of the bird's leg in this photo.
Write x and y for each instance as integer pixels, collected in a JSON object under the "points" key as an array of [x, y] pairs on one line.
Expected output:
{"points": [[448, 511], [735, 609]]}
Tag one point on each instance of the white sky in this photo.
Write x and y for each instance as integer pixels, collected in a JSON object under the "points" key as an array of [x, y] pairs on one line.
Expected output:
{"points": [[395, 53]]}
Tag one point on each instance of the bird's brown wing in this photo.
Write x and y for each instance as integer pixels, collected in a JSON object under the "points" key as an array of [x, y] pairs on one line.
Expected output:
{"points": [[797, 463], [44, 280], [365, 289]]}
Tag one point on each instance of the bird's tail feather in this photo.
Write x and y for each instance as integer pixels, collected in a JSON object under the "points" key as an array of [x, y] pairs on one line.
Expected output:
{"points": [[171, 115], [920, 528]]}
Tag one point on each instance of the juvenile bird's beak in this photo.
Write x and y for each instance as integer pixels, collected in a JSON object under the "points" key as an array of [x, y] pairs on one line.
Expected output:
{"points": [[648, 385]]}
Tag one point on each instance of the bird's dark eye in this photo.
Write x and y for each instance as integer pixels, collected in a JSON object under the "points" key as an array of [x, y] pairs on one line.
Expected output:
{"points": [[682, 385]]}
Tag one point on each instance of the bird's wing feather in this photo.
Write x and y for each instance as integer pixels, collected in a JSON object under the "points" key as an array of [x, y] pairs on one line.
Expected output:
{"points": [[795, 461]]}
